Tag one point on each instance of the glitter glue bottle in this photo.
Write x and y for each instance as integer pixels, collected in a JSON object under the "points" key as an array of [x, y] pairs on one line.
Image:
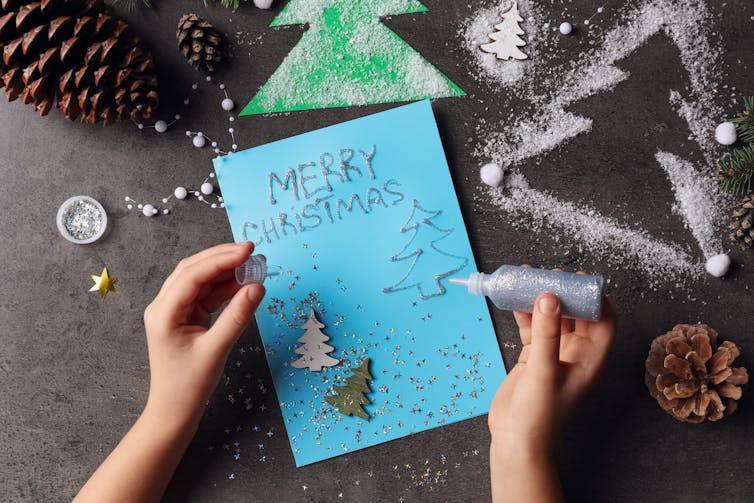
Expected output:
{"points": [[256, 270], [515, 288]]}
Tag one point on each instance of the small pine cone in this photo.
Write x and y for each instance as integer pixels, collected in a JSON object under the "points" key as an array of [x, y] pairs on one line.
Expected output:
{"points": [[691, 377], [742, 222], [199, 42]]}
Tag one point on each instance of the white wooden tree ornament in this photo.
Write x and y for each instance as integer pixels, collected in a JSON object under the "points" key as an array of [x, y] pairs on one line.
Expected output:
{"points": [[313, 350], [506, 39]]}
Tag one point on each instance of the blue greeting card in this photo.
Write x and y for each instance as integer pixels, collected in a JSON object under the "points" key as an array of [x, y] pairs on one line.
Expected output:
{"points": [[366, 339]]}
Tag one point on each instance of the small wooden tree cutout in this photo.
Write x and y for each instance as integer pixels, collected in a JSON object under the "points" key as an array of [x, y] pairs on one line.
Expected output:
{"points": [[314, 350], [506, 39], [350, 398]]}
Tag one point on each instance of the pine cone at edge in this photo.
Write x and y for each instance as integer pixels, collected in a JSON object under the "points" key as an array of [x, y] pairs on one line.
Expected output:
{"points": [[75, 55], [742, 222], [691, 376]]}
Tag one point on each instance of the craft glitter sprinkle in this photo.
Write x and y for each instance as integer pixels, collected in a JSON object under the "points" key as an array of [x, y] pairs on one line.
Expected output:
{"points": [[81, 220]]}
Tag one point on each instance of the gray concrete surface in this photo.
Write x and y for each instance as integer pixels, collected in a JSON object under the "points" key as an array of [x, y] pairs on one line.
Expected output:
{"points": [[73, 369]]}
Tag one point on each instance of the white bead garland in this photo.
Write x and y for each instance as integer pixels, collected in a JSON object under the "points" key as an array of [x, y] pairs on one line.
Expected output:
{"points": [[206, 192], [199, 141]]}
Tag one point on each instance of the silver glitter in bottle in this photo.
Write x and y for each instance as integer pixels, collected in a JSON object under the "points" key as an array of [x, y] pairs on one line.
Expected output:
{"points": [[514, 288]]}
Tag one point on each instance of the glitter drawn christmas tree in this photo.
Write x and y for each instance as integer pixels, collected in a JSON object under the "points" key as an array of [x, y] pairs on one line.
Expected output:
{"points": [[313, 350], [425, 272], [350, 398], [347, 57]]}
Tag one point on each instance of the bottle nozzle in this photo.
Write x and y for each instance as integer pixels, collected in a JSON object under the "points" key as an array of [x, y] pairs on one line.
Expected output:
{"points": [[459, 281], [473, 283], [256, 270]]}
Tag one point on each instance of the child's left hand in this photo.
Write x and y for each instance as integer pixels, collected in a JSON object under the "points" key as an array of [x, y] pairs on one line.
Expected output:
{"points": [[186, 352]]}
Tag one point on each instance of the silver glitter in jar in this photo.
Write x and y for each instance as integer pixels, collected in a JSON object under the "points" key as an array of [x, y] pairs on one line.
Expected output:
{"points": [[82, 220]]}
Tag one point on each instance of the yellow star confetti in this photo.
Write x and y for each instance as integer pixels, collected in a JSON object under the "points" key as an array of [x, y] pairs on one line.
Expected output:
{"points": [[103, 283]]}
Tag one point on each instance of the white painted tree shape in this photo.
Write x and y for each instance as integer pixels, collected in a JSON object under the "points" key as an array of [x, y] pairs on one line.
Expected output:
{"points": [[506, 39], [548, 125], [313, 350], [422, 271]]}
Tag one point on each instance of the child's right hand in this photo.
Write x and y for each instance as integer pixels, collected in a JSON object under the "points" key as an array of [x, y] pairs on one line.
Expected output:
{"points": [[559, 361]]}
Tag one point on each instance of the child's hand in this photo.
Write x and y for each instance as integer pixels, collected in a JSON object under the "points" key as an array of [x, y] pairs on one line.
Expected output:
{"points": [[186, 352], [186, 356], [559, 361]]}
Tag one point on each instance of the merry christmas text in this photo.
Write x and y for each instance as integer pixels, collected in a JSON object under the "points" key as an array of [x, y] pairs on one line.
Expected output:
{"points": [[314, 183]]}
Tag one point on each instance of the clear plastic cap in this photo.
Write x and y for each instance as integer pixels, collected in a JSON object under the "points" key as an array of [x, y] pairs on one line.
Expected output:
{"points": [[256, 270]]}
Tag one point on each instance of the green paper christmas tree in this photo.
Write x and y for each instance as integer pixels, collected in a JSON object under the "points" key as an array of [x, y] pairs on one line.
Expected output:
{"points": [[347, 57], [350, 398]]}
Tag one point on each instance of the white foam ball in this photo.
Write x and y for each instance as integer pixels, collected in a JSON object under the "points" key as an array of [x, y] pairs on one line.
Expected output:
{"points": [[725, 133], [148, 210], [199, 141], [228, 104], [718, 265], [263, 4], [566, 28], [207, 188], [160, 126], [492, 174], [180, 193]]}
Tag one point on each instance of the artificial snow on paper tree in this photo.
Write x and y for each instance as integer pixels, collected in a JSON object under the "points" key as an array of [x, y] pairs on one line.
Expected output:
{"points": [[506, 39], [350, 398], [314, 350], [428, 264], [347, 57]]}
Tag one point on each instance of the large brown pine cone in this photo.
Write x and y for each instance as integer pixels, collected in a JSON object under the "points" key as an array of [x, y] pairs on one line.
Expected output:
{"points": [[742, 222], [73, 53], [691, 377], [199, 42]]}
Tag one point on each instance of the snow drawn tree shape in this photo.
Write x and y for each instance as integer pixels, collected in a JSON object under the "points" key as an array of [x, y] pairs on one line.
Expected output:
{"points": [[424, 238], [347, 57], [350, 398], [506, 39], [532, 134], [313, 350]]}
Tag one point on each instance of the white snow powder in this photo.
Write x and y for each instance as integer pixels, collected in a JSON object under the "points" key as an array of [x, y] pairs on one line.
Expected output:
{"points": [[593, 233], [545, 125], [696, 201]]}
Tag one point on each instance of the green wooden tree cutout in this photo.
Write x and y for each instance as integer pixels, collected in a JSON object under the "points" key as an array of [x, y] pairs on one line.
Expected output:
{"points": [[350, 398], [347, 57]]}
